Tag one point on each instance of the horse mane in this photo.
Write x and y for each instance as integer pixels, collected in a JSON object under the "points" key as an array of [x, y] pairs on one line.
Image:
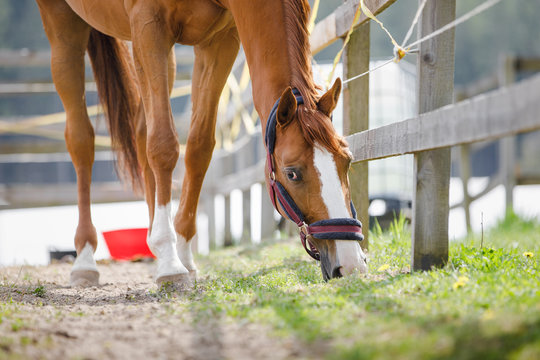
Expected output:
{"points": [[316, 127]]}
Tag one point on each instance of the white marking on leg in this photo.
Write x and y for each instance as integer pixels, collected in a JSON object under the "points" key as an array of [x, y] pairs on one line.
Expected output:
{"points": [[85, 260], [185, 253], [349, 253], [162, 243]]}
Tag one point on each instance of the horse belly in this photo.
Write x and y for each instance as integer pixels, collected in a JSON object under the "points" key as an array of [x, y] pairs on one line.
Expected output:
{"points": [[198, 21], [107, 16]]}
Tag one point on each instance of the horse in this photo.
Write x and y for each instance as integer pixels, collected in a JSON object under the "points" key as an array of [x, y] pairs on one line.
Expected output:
{"points": [[309, 162]]}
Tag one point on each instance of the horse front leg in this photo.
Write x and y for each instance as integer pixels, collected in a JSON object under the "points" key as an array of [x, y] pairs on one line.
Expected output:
{"points": [[213, 63], [152, 46], [67, 68], [141, 138]]}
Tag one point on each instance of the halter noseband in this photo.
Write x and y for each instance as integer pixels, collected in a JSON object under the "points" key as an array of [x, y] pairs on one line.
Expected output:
{"points": [[329, 229]]}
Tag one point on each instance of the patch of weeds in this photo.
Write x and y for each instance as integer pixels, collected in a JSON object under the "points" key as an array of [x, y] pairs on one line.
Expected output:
{"points": [[7, 310], [27, 277], [25, 341], [167, 290], [17, 324], [39, 291]]}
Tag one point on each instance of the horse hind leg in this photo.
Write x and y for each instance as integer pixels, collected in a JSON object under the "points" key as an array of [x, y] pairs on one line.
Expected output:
{"points": [[67, 67]]}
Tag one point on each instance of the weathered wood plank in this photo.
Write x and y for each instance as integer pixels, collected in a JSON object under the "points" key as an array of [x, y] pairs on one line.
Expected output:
{"points": [[33, 195], [527, 64], [337, 24], [240, 180], [506, 111], [36, 88], [42, 58], [356, 116]]}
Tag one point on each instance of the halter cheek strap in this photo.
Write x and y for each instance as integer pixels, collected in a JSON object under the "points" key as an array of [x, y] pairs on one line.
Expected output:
{"points": [[329, 229]]}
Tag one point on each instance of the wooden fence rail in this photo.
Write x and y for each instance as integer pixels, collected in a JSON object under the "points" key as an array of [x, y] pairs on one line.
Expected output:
{"points": [[507, 111]]}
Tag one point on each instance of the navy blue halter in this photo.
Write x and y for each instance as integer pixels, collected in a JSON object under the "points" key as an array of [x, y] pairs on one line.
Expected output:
{"points": [[329, 229]]}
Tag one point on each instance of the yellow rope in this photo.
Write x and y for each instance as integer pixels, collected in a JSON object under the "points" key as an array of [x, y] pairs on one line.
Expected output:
{"points": [[313, 16], [401, 51], [345, 42]]}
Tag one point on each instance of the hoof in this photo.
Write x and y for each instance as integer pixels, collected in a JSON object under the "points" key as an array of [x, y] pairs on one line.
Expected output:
{"points": [[84, 278], [175, 282]]}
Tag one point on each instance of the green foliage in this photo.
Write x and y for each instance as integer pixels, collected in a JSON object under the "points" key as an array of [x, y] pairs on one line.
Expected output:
{"points": [[483, 304], [39, 291]]}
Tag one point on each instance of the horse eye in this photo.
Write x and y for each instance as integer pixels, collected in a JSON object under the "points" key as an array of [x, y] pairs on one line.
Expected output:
{"points": [[293, 175]]}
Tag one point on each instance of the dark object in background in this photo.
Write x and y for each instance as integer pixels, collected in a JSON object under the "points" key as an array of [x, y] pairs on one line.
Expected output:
{"points": [[385, 207], [67, 256]]}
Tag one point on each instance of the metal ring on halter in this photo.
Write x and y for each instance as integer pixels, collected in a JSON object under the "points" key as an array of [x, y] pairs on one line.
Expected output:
{"points": [[304, 229]]}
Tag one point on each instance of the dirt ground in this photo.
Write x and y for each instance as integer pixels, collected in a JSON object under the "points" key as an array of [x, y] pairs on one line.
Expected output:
{"points": [[123, 318]]}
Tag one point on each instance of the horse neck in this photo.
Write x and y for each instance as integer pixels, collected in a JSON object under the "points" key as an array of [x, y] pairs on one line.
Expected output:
{"points": [[264, 37]]}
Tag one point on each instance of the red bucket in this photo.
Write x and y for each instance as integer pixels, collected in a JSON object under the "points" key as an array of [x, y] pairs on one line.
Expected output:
{"points": [[127, 244]]}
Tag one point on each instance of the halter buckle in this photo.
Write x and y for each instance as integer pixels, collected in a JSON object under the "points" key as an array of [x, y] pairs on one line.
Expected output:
{"points": [[273, 176], [304, 229]]}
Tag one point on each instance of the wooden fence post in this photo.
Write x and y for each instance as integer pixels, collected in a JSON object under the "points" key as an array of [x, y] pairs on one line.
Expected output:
{"points": [[227, 239], [210, 210], [246, 214], [268, 224], [507, 75], [465, 175], [356, 116], [432, 168]]}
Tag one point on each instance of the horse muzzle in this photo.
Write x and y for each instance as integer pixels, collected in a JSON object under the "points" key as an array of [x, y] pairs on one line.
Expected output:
{"points": [[341, 258]]}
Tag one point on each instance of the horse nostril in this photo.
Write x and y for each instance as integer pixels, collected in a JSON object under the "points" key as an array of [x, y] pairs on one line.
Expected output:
{"points": [[336, 273]]}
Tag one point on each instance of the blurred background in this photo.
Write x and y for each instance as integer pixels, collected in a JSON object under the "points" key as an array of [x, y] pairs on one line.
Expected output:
{"points": [[38, 184]]}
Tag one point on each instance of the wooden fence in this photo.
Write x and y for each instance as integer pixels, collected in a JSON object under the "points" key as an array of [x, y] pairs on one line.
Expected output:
{"points": [[512, 168], [439, 126]]}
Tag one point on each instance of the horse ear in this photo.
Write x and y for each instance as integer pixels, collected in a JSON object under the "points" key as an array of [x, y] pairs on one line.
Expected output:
{"points": [[327, 103], [286, 108]]}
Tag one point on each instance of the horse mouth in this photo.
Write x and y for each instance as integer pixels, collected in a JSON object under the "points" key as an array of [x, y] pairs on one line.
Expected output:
{"points": [[328, 270]]}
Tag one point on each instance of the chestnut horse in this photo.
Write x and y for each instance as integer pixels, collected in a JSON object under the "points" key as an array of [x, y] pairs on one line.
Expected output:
{"points": [[311, 160]]}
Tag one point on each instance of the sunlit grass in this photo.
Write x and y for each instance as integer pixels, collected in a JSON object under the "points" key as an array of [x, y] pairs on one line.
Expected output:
{"points": [[484, 304]]}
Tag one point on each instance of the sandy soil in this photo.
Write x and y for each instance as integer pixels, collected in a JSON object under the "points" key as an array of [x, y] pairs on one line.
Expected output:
{"points": [[123, 318]]}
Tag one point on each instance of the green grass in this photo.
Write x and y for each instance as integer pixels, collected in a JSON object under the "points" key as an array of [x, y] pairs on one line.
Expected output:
{"points": [[484, 304]]}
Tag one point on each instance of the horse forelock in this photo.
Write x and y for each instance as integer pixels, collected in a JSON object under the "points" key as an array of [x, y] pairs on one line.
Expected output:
{"points": [[317, 129]]}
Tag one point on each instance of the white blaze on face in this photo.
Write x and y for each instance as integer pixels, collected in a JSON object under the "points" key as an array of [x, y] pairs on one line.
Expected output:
{"points": [[349, 253]]}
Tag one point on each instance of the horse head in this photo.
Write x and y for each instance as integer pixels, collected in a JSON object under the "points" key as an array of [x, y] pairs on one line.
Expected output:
{"points": [[307, 173]]}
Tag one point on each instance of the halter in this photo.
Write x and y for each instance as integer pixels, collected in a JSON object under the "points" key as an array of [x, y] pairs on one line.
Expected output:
{"points": [[329, 229]]}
